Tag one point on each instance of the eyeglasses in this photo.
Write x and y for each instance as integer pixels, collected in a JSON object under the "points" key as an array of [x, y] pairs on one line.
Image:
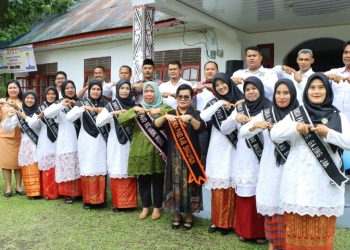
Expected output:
{"points": [[185, 97]]}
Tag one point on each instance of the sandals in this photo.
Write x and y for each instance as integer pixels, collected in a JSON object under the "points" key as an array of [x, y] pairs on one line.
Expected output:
{"points": [[68, 200], [177, 222], [212, 229], [187, 225]]}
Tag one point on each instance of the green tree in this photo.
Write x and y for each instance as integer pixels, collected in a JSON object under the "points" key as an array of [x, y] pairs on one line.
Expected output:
{"points": [[18, 16]]}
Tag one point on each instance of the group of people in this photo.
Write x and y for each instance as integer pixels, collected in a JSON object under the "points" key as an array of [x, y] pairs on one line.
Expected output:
{"points": [[266, 142]]}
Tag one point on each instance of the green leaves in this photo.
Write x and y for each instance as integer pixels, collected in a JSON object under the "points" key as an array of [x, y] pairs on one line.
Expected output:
{"points": [[18, 16]]}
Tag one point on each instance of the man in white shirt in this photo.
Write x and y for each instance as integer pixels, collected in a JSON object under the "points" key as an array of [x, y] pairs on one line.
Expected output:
{"points": [[99, 74], [253, 59], [305, 59], [341, 83], [168, 89], [61, 76]]}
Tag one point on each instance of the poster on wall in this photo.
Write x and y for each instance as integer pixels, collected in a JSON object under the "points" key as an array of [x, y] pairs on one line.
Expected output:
{"points": [[17, 59]]}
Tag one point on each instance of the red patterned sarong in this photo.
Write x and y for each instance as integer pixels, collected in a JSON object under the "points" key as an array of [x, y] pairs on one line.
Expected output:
{"points": [[50, 188], [31, 180], [124, 192], [94, 189], [275, 230], [223, 208], [306, 232], [248, 223], [70, 188]]}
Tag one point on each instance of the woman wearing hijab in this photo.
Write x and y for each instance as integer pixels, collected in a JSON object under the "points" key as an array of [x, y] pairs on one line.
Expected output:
{"points": [[67, 172], [183, 193], [272, 160], [312, 185], [46, 149], [91, 146], [123, 187], [148, 148], [27, 156], [248, 224], [221, 176]]}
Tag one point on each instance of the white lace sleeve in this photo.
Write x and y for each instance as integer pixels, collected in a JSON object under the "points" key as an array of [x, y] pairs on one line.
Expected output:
{"points": [[10, 123], [207, 113], [53, 109], [75, 113], [244, 130], [340, 139], [284, 130], [230, 124], [103, 118]]}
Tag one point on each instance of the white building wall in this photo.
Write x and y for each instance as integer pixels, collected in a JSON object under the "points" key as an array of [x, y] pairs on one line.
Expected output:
{"points": [[285, 41], [71, 59]]}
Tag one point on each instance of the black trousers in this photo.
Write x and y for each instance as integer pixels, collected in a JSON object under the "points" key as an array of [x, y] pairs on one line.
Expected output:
{"points": [[149, 184]]}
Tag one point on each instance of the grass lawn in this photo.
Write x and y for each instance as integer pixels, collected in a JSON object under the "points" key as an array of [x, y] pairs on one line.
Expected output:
{"points": [[41, 224]]}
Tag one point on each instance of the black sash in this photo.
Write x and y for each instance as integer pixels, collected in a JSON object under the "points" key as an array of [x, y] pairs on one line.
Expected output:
{"points": [[220, 116], [128, 130], [256, 143], [319, 149], [28, 130], [77, 123], [157, 138], [284, 147], [92, 115], [52, 126]]}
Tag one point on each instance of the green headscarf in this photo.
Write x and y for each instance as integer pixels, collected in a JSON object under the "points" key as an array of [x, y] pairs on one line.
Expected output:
{"points": [[158, 100]]}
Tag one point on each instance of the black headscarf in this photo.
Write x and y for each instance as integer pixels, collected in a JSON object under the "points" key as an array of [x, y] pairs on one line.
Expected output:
{"points": [[233, 95], [262, 102], [77, 122], [49, 133], [48, 88], [29, 111], [20, 94], [325, 110], [280, 113], [293, 104], [126, 103], [88, 124], [100, 102], [63, 89]]}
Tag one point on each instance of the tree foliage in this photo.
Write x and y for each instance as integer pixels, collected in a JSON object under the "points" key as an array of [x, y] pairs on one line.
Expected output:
{"points": [[18, 16]]}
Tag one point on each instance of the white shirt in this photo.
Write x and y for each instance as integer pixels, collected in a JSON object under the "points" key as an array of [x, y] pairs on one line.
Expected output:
{"points": [[67, 164], [268, 200], [341, 91], [171, 88], [91, 151], [305, 188], [245, 162], [267, 76], [299, 86], [219, 165]]}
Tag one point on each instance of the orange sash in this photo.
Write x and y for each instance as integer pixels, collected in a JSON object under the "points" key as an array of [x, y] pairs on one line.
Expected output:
{"points": [[188, 153]]}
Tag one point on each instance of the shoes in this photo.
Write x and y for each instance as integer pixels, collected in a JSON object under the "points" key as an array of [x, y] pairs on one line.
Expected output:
{"points": [[156, 214], [176, 224], [68, 200], [86, 206], [22, 192], [212, 229], [8, 194], [224, 231], [242, 239], [261, 241], [187, 225], [143, 215]]}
